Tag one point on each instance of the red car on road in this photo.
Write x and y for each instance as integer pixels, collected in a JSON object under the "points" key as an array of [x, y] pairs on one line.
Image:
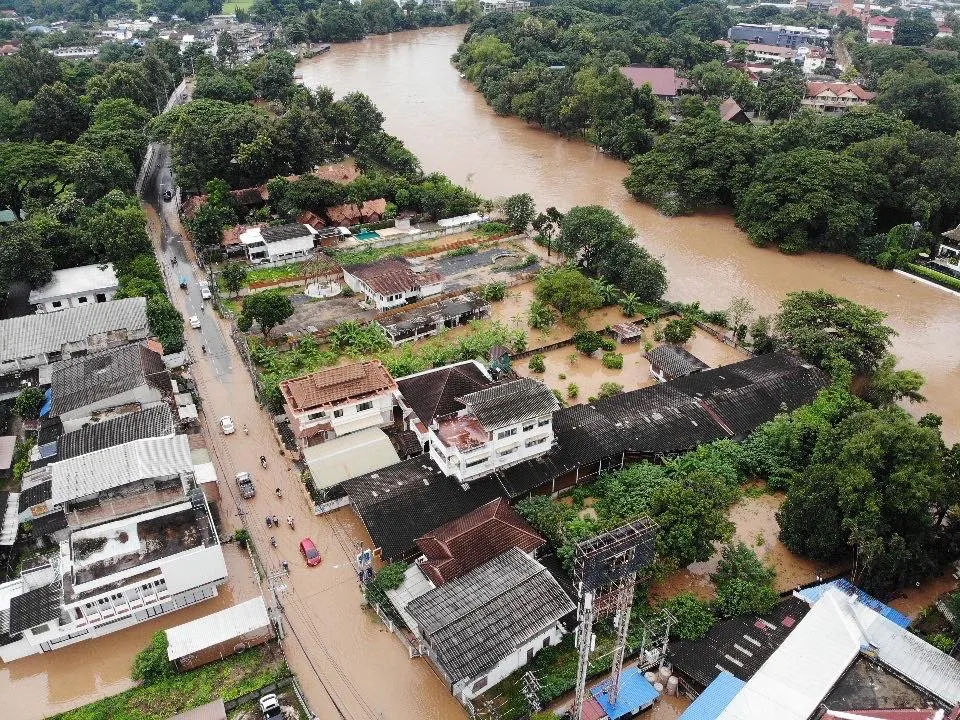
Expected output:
{"points": [[309, 552]]}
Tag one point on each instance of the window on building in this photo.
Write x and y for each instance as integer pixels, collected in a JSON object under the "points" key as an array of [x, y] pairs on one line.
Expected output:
{"points": [[78, 613], [546, 642], [506, 433], [530, 653], [508, 451], [317, 415], [533, 443], [480, 684], [544, 421], [338, 413], [57, 303], [81, 300], [101, 297], [368, 405], [474, 463], [528, 428]]}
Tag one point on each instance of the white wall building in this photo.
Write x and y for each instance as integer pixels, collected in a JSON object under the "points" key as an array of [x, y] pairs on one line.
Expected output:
{"points": [[278, 245], [392, 282], [496, 427], [338, 401], [75, 287], [112, 575]]}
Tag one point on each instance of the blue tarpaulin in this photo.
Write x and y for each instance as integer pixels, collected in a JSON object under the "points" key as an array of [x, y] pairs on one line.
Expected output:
{"points": [[635, 694], [812, 594], [48, 402], [715, 698]]}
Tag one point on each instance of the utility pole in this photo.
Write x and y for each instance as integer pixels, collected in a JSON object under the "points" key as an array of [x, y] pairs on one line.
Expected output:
{"points": [[278, 587]]}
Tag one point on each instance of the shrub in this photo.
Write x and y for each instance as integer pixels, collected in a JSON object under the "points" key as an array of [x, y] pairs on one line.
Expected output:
{"points": [[242, 537], [607, 344], [541, 316], [494, 292], [463, 250], [940, 641], [678, 330], [151, 664], [744, 584], [489, 229], [559, 396], [694, 616], [573, 390], [587, 341], [28, 403], [537, 364], [608, 389], [613, 361]]}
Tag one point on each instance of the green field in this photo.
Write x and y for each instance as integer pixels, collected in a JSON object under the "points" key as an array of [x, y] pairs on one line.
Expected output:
{"points": [[229, 8]]}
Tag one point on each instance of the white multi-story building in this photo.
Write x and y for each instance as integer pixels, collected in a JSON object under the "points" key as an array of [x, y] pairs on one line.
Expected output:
{"points": [[278, 245], [338, 401], [111, 575], [492, 428]]}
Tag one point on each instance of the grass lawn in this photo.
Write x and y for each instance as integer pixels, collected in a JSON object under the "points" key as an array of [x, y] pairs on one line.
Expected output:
{"points": [[230, 678], [229, 8], [356, 257]]}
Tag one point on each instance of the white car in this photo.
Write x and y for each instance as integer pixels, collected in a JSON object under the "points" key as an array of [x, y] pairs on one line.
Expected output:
{"points": [[270, 707], [205, 293], [226, 424], [195, 322]]}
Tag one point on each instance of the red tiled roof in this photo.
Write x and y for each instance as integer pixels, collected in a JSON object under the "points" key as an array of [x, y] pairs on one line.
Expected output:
{"points": [[345, 214], [252, 195], [884, 21], [728, 109], [839, 89], [662, 81], [336, 385], [471, 540], [592, 710], [378, 206], [311, 219]]}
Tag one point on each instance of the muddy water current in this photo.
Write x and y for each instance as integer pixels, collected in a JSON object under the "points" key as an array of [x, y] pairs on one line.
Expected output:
{"points": [[452, 130]]}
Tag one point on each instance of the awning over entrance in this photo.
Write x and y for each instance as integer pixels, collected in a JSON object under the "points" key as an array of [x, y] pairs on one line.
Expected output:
{"points": [[348, 456]]}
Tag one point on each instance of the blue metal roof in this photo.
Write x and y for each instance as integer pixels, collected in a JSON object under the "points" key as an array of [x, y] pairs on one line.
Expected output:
{"points": [[48, 402], [635, 694], [812, 594], [715, 698]]}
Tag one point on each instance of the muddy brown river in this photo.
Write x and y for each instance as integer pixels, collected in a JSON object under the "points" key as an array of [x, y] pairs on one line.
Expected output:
{"points": [[452, 130]]}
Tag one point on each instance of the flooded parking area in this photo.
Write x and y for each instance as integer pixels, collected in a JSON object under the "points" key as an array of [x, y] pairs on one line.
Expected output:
{"points": [[53, 682]]}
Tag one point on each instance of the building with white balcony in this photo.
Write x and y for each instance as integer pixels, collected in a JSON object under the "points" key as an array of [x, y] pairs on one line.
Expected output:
{"points": [[111, 575], [278, 245], [337, 401], [836, 97], [471, 434]]}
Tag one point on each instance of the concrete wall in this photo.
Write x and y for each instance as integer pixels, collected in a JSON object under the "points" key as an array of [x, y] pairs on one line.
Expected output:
{"points": [[72, 301]]}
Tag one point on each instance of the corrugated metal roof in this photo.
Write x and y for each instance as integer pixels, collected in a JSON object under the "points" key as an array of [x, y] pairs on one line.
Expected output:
{"points": [[511, 402], [35, 334], [216, 628], [812, 594], [475, 621], [152, 422], [120, 465], [712, 701], [87, 379], [636, 693]]}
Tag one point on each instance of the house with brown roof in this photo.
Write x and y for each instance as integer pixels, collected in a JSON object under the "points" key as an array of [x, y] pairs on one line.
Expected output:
{"points": [[836, 97], [338, 401], [392, 282], [663, 82], [349, 214], [469, 541], [731, 111]]}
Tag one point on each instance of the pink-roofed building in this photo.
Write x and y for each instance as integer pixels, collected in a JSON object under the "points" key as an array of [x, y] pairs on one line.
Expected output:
{"points": [[944, 30], [880, 37], [663, 82], [882, 23], [836, 97]]}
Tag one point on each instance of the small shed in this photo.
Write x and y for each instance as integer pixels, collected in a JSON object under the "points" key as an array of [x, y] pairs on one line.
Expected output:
{"points": [[215, 636], [636, 695], [213, 710], [627, 332], [669, 362]]}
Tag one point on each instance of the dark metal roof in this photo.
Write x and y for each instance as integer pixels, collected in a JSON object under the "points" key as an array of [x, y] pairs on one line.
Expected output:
{"points": [[475, 621], [47, 524], [284, 232], [511, 402], [87, 379], [739, 645], [671, 417], [35, 494], [675, 360], [402, 502], [34, 607], [434, 394], [152, 422]]}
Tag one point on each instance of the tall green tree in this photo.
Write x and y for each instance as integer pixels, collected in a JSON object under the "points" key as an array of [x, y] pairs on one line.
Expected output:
{"points": [[782, 91], [915, 28], [744, 584], [520, 211], [268, 308]]}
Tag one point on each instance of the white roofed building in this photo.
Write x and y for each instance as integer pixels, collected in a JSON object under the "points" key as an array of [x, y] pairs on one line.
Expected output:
{"points": [[75, 287], [278, 245]]}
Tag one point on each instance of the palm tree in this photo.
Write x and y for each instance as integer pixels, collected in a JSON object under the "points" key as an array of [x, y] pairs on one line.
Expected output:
{"points": [[630, 304], [608, 292]]}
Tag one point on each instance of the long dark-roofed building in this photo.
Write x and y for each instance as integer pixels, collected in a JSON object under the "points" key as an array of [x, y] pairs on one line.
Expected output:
{"points": [[669, 361]]}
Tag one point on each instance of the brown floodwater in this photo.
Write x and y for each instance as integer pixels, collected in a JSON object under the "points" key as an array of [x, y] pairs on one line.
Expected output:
{"points": [[42, 685], [452, 130]]}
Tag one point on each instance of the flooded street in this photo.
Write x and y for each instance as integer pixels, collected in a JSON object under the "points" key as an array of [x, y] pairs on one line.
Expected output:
{"points": [[52, 682], [452, 130]]}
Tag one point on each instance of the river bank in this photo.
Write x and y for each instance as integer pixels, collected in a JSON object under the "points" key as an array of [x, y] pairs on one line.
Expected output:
{"points": [[450, 128]]}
